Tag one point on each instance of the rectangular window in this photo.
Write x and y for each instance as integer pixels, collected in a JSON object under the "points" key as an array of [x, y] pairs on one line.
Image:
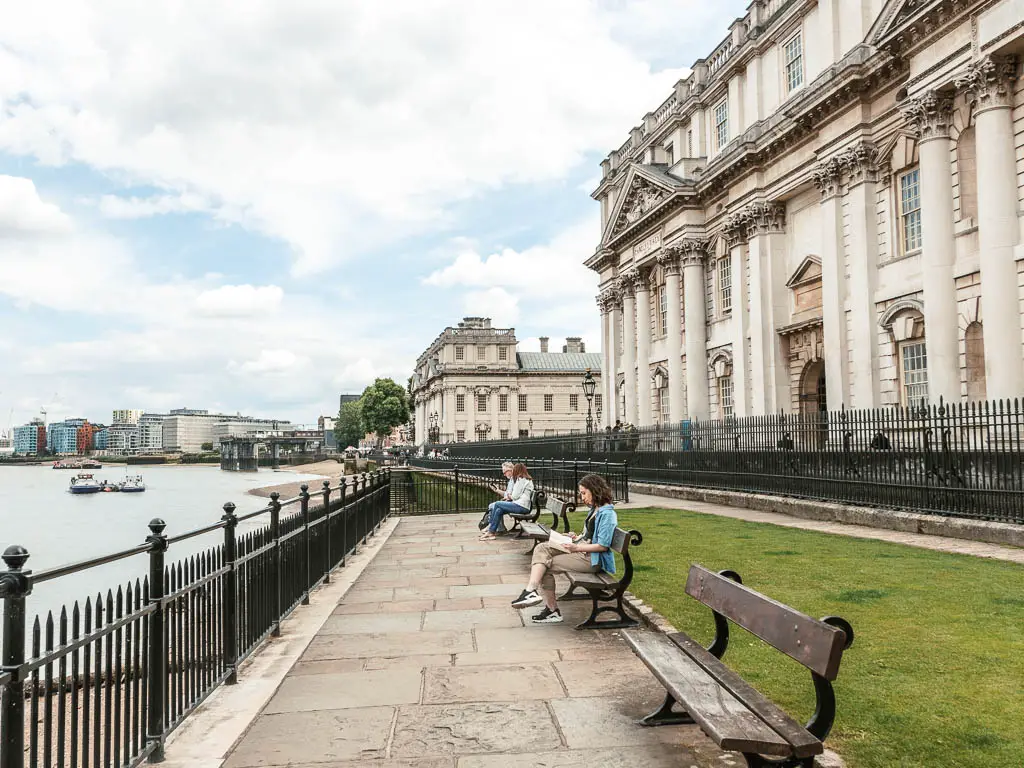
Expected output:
{"points": [[503, 403], [460, 353], [574, 402], [522, 403], [549, 402], [725, 284], [663, 307], [597, 402], [481, 403], [721, 124], [794, 58], [503, 353], [524, 433], [915, 374], [460, 435], [663, 405], [481, 352], [460, 403], [910, 210], [504, 434], [725, 396]]}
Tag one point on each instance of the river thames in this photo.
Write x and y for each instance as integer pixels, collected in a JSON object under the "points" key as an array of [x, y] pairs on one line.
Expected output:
{"points": [[57, 527]]}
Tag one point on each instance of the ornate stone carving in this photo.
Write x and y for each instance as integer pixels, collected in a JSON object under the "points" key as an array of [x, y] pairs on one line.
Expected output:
{"points": [[735, 229], [694, 251], [827, 177], [641, 277], [607, 300], [931, 114], [990, 81], [641, 198], [603, 258], [669, 259], [627, 283], [764, 218], [860, 162]]}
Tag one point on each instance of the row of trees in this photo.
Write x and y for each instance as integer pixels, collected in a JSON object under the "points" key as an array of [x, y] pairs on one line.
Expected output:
{"points": [[383, 406]]}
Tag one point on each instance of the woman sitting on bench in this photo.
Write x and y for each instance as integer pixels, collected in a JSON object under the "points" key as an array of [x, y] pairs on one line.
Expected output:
{"points": [[590, 552], [520, 498]]}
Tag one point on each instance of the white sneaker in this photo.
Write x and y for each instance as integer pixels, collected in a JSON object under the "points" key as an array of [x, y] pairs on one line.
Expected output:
{"points": [[527, 599], [547, 616]]}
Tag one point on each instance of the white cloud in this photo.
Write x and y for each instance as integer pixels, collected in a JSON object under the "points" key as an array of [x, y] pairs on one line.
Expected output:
{"points": [[272, 361], [496, 303], [24, 214], [333, 127], [239, 300]]}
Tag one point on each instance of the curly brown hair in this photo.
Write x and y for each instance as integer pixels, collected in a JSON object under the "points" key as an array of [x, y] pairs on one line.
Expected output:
{"points": [[600, 491], [519, 471]]}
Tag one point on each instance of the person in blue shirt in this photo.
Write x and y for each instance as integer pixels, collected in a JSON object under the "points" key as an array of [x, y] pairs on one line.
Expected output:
{"points": [[589, 552]]}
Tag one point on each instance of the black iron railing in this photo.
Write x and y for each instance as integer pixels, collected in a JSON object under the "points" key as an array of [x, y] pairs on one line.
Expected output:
{"points": [[104, 683], [964, 460]]}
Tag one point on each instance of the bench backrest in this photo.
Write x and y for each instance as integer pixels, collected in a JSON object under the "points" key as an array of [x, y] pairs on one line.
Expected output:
{"points": [[555, 505], [620, 541], [815, 644]]}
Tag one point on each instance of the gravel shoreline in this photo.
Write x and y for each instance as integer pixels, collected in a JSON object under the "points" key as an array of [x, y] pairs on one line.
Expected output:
{"points": [[331, 470]]}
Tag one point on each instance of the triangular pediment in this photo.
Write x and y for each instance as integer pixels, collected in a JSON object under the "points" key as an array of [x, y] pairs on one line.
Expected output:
{"points": [[808, 271], [892, 16], [643, 190]]}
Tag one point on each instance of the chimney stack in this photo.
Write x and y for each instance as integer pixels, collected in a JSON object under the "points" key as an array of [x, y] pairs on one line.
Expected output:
{"points": [[543, 343], [573, 344]]}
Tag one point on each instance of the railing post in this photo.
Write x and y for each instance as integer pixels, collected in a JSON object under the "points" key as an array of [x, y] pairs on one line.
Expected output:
{"points": [[158, 650], [456, 487], [575, 482], [229, 605], [363, 511], [275, 534], [342, 501], [304, 508], [15, 586], [625, 475], [326, 531]]}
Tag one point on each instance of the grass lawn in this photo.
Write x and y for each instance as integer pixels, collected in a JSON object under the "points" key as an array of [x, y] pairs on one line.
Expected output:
{"points": [[935, 676]]}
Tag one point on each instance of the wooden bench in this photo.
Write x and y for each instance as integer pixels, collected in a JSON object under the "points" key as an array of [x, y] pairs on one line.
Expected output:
{"points": [[519, 519], [559, 511], [730, 711], [603, 587]]}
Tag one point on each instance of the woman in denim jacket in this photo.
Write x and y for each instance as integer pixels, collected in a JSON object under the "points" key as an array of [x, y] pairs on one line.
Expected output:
{"points": [[590, 552]]}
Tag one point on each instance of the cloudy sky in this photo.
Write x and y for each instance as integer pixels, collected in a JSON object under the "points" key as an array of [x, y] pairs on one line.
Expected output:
{"points": [[254, 205]]}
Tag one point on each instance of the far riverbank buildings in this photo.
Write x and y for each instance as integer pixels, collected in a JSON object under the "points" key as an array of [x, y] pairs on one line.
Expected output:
{"points": [[472, 384], [825, 213]]}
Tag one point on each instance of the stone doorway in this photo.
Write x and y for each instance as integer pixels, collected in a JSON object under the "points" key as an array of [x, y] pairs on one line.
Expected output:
{"points": [[814, 406]]}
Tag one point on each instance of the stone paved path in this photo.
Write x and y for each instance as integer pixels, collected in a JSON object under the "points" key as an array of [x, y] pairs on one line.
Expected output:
{"points": [[939, 543], [424, 663]]}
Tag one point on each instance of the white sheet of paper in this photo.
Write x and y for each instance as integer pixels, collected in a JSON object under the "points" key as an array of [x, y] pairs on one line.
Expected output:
{"points": [[559, 540]]}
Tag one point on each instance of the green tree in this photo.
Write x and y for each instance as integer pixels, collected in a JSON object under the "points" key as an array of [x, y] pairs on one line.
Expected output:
{"points": [[349, 429], [206, 447], [385, 406]]}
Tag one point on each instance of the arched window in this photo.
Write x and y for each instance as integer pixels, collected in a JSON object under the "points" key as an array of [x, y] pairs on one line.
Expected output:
{"points": [[974, 352], [967, 173]]}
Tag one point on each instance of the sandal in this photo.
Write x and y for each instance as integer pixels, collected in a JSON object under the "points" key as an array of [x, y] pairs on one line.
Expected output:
{"points": [[487, 537]]}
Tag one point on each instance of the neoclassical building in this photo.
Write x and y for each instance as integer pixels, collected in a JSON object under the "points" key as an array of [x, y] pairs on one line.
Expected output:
{"points": [[825, 213], [471, 384]]}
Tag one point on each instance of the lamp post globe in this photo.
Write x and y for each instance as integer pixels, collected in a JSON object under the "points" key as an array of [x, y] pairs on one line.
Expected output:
{"points": [[589, 386]]}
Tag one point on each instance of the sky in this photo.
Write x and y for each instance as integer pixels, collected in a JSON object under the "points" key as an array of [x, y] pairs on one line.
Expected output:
{"points": [[254, 206]]}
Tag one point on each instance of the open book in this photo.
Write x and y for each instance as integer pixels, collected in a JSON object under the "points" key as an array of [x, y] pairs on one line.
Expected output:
{"points": [[559, 540]]}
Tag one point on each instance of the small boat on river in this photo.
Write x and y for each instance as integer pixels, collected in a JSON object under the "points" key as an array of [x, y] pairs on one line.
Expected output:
{"points": [[133, 484], [84, 483]]}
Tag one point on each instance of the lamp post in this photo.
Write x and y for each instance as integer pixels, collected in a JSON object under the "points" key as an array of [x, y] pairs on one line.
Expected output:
{"points": [[589, 385], [433, 428], [530, 431]]}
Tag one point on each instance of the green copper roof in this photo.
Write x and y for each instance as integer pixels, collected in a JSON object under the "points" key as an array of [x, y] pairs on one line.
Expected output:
{"points": [[559, 361]]}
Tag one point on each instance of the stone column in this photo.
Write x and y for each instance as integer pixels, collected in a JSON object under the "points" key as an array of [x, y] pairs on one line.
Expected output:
{"points": [[513, 412], [769, 305], [860, 167], [614, 323], [669, 260], [492, 403], [698, 405], [932, 114], [642, 287], [828, 177], [736, 236], [604, 304], [448, 414], [627, 285], [991, 81]]}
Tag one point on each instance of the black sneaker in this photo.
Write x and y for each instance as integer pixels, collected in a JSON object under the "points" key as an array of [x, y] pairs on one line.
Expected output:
{"points": [[527, 599], [547, 616]]}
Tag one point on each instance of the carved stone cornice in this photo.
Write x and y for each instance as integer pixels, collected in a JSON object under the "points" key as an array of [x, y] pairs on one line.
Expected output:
{"points": [[828, 176], [990, 81], [860, 163], [764, 218], [603, 258], [627, 283], [734, 227], [930, 114]]}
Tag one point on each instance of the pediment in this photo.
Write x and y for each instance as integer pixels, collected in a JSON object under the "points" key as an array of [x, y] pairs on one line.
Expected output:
{"points": [[893, 15], [643, 191], [808, 272]]}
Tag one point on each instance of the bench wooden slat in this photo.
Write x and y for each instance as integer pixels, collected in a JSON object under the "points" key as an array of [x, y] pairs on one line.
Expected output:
{"points": [[816, 645], [718, 712], [591, 579], [803, 743]]}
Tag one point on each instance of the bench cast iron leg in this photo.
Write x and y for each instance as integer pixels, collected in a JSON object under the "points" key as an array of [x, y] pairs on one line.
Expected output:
{"points": [[757, 761], [665, 715], [624, 621], [572, 594]]}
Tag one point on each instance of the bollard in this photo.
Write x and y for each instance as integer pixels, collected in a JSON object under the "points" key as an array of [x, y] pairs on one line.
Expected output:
{"points": [[304, 509], [157, 656], [230, 605], [275, 534], [15, 586], [326, 531]]}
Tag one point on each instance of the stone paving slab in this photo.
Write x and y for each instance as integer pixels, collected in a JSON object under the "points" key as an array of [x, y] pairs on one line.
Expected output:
{"points": [[425, 664]]}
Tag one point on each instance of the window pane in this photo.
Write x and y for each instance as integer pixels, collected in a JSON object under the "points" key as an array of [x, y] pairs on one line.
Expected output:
{"points": [[460, 353], [794, 63], [663, 306], [725, 395], [722, 124], [915, 374], [481, 402], [910, 209], [725, 283], [502, 403], [460, 403], [522, 403], [549, 402], [574, 402]]}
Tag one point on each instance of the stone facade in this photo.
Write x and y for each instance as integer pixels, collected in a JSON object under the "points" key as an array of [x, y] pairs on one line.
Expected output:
{"points": [[472, 384], [822, 215]]}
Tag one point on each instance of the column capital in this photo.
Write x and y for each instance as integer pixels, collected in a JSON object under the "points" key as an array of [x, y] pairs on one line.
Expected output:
{"points": [[694, 252], [990, 81], [930, 114], [860, 162], [734, 227], [764, 218], [827, 177], [627, 283], [642, 279], [669, 259], [607, 300]]}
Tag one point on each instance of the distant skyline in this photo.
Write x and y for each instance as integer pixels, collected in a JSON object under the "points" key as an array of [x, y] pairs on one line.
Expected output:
{"points": [[258, 214]]}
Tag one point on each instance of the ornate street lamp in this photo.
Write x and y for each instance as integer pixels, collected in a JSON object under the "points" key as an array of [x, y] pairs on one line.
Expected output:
{"points": [[434, 436], [530, 432], [589, 385]]}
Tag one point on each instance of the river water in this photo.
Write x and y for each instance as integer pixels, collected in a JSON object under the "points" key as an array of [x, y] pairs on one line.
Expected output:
{"points": [[57, 527]]}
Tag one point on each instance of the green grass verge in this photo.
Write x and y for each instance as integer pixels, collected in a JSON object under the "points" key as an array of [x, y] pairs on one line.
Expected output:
{"points": [[936, 674], [435, 494]]}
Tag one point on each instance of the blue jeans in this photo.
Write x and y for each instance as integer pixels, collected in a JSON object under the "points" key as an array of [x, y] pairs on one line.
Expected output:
{"points": [[498, 510]]}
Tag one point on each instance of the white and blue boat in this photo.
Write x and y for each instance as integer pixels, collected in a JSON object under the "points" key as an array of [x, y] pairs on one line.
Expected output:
{"points": [[84, 483], [133, 484]]}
